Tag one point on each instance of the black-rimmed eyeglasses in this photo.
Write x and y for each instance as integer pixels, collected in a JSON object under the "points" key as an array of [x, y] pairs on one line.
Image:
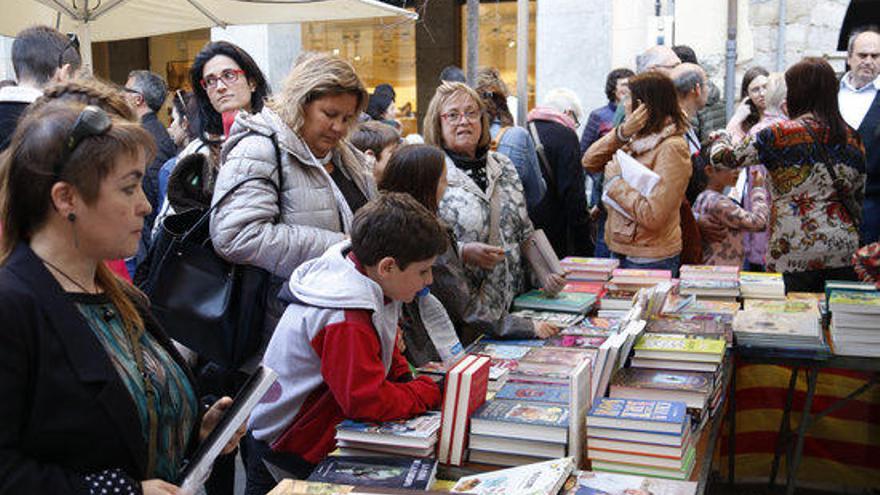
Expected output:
{"points": [[92, 121]]}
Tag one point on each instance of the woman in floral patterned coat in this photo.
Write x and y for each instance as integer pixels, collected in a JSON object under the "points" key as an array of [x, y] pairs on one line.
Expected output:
{"points": [[815, 224], [484, 203]]}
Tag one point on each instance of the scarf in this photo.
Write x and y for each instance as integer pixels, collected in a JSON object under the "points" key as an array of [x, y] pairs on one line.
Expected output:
{"points": [[545, 113], [475, 168]]}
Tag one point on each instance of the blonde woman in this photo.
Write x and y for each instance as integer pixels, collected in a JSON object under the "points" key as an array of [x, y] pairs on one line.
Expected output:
{"points": [[323, 182]]}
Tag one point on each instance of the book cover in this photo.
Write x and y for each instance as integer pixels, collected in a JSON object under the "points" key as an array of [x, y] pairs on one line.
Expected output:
{"points": [[510, 411], [782, 306], [580, 341], [555, 394], [590, 264], [580, 398], [543, 478], [709, 271], [423, 426], [657, 411], [675, 343], [390, 472], [501, 351], [862, 301], [707, 284], [547, 355], [601, 483], [549, 372], [552, 317], [593, 326], [688, 381], [569, 302], [471, 394], [584, 286], [634, 274], [450, 403], [710, 327]]}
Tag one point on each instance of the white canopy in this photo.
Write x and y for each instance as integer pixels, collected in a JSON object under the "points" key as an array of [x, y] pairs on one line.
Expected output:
{"points": [[106, 20]]}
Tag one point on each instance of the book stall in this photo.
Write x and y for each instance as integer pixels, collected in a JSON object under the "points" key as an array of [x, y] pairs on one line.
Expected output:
{"points": [[630, 395]]}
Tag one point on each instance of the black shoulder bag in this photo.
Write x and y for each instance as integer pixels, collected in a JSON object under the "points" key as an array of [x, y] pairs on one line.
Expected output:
{"points": [[214, 307]]}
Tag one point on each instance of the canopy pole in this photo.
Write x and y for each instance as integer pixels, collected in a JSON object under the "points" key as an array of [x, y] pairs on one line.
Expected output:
{"points": [[473, 40], [84, 33], [522, 61]]}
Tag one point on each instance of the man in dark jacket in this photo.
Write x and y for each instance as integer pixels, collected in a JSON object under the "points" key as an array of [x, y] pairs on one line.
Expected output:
{"points": [[40, 56], [145, 92], [562, 214]]}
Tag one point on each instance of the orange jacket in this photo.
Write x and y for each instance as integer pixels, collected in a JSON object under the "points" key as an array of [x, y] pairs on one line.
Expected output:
{"points": [[655, 230]]}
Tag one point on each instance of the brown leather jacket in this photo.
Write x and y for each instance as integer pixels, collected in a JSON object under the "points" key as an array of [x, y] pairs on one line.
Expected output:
{"points": [[655, 230]]}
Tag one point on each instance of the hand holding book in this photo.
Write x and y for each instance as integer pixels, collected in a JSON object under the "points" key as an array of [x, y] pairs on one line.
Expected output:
{"points": [[212, 418], [482, 255]]}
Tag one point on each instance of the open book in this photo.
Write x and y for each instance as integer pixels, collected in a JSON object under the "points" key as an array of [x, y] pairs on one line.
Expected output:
{"points": [[638, 176]]}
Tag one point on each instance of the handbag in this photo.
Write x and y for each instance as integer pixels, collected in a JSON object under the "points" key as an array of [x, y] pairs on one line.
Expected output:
{"points": [[206, 303]]}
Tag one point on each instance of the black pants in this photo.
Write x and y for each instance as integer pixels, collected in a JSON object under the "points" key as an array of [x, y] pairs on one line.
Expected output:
{"points": [[259, 480], [814, 280]]}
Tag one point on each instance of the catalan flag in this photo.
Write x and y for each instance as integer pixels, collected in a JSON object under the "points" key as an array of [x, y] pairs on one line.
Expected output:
{"points": [[842, 448]]}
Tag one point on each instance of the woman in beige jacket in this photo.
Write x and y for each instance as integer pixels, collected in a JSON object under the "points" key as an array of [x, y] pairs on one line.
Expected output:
{"points": [[649, 235]]}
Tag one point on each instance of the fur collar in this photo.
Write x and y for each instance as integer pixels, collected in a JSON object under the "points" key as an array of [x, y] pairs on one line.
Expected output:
{"points": [[649, 142]]}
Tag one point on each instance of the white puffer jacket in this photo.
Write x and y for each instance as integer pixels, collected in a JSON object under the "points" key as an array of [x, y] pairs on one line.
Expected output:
{"points": [[314, 214]]}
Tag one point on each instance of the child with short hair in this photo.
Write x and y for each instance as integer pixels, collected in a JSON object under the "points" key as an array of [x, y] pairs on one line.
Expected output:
{"points": [[334, 348], [378, 141], [722, 172]]}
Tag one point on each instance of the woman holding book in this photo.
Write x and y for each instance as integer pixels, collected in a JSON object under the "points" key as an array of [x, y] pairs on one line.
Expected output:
{"points": [[817, 181], [420, 171], [484, 203], [643, 230], [96, 398]]}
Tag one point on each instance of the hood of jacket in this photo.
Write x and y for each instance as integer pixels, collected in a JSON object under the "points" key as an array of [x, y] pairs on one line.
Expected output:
{"points": [[332, 281]]}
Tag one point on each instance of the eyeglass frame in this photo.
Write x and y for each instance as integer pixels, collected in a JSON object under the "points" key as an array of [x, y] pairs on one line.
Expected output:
{"points": [[72, 42], [476, 116], [83, 128], [236, 72]]}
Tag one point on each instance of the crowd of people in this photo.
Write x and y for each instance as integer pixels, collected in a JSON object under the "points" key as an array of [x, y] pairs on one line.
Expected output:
{"points": [[355, 228]]}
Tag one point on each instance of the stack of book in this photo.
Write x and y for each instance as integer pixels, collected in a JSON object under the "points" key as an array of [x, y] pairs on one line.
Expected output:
{"points": [[677, 306], [692, 326], [554, 318], [691, 387], [679, 352], [466, 386], [543, 478], [599, 483], [793, 325], [624, 284], [641, 437], [707, 281], [855, 322], [416, 437], [588, 269], [760, 285]]}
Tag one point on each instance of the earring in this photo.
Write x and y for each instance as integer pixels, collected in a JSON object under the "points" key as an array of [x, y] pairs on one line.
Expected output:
{"points": [[71, 217]]}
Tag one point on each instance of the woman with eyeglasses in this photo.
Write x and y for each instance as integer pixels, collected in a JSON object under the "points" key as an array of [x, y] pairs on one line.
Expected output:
{"points": [[751, 108], [563, 215], [485, 206], [95, 397]]}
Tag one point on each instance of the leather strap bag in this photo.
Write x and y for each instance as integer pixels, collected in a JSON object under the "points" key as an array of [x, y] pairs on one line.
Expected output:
{"points": [[206, 303]]}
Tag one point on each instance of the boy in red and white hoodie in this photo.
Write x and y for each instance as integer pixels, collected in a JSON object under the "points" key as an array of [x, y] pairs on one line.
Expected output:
{"points": [[334, 348]]}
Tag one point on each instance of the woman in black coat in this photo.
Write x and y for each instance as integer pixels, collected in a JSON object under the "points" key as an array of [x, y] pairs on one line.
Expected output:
{"points": [[95, 397]]}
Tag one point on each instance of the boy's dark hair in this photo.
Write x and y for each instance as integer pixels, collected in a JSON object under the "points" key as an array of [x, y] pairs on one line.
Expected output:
{"points": [[396, 225], [374, 136], [39, 51]]}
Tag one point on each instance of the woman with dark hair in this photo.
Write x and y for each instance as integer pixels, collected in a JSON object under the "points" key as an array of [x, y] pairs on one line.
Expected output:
{"points": [[817, 170], [751, 108], [645, 231], [96, 398]]}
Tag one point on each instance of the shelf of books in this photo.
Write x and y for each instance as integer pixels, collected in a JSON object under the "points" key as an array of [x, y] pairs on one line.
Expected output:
{"points": [[629, 395]]}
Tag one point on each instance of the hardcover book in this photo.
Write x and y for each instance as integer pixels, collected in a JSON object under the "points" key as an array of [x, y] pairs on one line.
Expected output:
{"points": [[466, 386], [522, 412], [544, 478], [659, 416], [680, 347], [568, 302], [418, 432], [557, 394], [391, 472]]}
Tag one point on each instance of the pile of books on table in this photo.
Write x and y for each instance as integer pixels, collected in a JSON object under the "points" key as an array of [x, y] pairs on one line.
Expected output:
{"points": [[701, 391], [692, 326], [855, 322], [760, 285], [711, 282], [539, 413], [622, 287], [679, 352], [416, 437], [642, 437], [791, 324], [588, 269], [604, 483]]}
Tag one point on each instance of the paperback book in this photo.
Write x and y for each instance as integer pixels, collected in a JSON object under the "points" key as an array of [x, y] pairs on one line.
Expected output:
{"points": [[568, 302], [391, 472], [599, 483], [521, 419], [657, 416], [545, 478]]}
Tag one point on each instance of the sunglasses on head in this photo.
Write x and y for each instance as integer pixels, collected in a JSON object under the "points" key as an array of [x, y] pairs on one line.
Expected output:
{"points": [[91, 122]]}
